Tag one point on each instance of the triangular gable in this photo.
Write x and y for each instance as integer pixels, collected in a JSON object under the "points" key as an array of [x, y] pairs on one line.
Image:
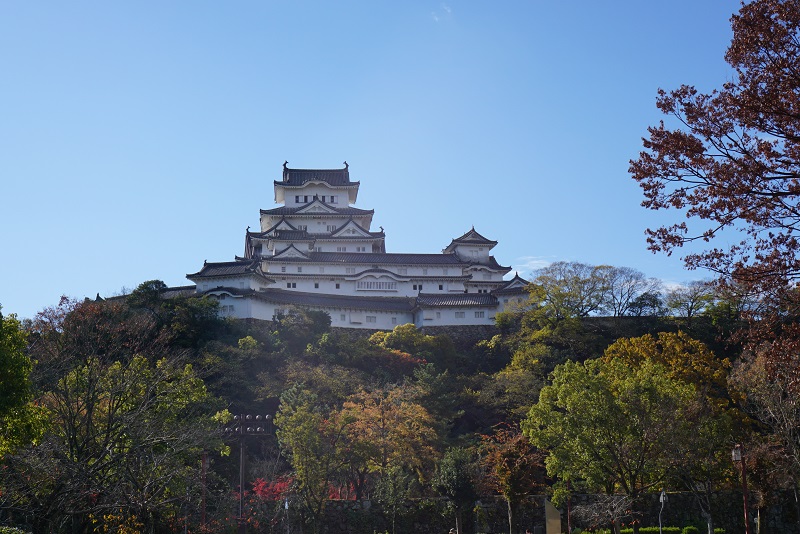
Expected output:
{"points": [[516, 283], [316, 206], [283, 224], [290, 252], [342, 231]]}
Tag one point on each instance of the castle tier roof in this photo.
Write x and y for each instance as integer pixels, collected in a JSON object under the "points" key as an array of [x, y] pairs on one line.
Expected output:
{"points": [[332, 177], [229, 268], [491, 264], [379, 258], [292, 235], [460, 300], [321, 300], [285, 210], [470, 238]]}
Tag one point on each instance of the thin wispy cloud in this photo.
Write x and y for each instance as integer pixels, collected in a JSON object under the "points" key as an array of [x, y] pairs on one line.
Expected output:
{"points": [[526, 265], [443, 12]]}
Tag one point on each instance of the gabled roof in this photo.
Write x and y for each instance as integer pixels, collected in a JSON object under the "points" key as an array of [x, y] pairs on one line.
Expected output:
{"points": [[515, 286], [289, 253], [470, 238], [350, 223], [229, 268], [436, 300], [333, 177], [283, 224]]}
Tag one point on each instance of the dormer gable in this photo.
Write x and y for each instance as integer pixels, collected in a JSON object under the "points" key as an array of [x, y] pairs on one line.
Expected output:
{"points": [[350, 229], [471, 238], [290, 252], [316, 206], [283, 224], [515, 284]]}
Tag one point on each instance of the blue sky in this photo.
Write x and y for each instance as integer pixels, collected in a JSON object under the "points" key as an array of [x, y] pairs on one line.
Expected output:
{"points": [[138, 139]]}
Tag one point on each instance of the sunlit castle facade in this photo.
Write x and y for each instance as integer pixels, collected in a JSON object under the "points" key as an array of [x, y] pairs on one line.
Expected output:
{"points": [[317, 250]]}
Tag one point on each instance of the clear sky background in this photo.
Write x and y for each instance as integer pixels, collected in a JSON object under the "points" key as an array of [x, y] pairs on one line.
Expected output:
{"points": [[138, 139]]}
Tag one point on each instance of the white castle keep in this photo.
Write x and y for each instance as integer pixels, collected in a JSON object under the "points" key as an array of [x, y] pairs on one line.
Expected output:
{"points": [[316, 250]]}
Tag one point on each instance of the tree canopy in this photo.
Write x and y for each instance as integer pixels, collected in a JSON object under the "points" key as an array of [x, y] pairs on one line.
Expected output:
{"points": [[733, 161]]}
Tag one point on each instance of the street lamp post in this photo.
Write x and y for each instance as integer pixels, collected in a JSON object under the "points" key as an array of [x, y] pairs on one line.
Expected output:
{"points": [[738, 456], [663, 499], [246, 425]]}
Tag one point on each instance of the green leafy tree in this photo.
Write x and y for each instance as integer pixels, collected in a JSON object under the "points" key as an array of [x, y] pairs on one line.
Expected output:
{"points": [[313, 442], [20, 421], [393, 490], [124, 442], [701, 464], [456, 479], [609, 424]]}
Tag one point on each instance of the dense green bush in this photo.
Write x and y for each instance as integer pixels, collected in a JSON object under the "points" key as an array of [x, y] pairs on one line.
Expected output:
{"points": [[12, 530], [691, 530]]}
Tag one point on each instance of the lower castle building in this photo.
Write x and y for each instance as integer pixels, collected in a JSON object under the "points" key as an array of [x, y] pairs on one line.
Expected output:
{"points": [[317, 250]]}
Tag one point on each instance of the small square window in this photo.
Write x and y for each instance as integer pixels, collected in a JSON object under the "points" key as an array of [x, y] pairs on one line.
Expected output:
{"points": [[479, 314], [316, 285], [441, 287], [342, 317], [299, 269], [283, 268], [337, 286]]}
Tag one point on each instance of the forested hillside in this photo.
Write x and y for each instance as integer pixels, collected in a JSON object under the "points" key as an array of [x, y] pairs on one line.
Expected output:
{"points": [[122, 400]]}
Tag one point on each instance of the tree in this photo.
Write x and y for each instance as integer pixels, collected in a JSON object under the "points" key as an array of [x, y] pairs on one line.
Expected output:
{"points": [[123, 447], [701, 463], [571, 289], [390, 429], [771, 398], [690, 300], [20, 421], [455, 479], [313, 442], [648, 304], [623, 286], [609, 424], [515, 468], [732, 162]]}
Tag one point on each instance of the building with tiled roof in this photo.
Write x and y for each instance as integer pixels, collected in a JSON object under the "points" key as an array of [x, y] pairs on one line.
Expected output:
{"points": [[317, 250]]}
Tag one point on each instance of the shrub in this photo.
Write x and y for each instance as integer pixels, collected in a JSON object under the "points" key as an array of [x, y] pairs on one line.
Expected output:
{"points": [[12, 530], [691, 530]]}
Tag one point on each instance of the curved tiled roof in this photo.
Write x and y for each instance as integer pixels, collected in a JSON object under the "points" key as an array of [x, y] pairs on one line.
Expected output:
{"points": [[377, 258], [292, 235], [298, 298], [228, 268], [492, 264], [458, 300], [471, 238], [284, 210], [334, 177], [515, 286]]}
